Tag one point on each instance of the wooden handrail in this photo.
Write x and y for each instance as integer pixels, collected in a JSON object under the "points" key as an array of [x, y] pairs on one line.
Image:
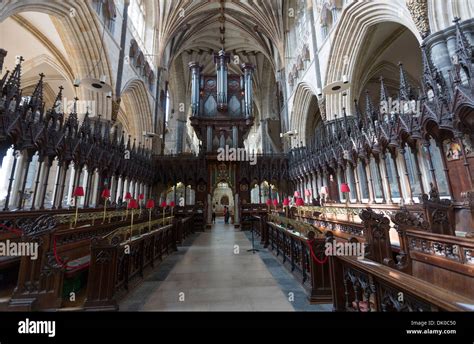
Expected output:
{"points": [[342, 229], [301, 227], [399, 282], [115, 264], [304, 254], [138, 227], [455, 240]]}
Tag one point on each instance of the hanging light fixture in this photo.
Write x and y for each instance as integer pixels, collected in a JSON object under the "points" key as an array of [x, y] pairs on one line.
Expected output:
{"points": [[93, 84]]}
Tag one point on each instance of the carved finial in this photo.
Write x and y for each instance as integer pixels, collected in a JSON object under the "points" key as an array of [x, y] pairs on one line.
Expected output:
{"points": [[122, 140], [405, 88], [58, 101], [346, 123], [36, 101], [383, 90], [463, 47], [370, 112], [434, 193], [13, 85]]}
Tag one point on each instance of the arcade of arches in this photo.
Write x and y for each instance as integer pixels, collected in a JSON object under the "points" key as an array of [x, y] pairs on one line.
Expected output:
{"points": [[130, 128]]}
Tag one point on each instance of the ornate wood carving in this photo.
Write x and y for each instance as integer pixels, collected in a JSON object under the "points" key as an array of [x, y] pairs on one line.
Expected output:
{"points": [[439, 213], [29, 128], [376, 231]]}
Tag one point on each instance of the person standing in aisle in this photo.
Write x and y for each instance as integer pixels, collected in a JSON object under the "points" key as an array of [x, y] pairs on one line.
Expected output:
{"points": [[226, 215]]}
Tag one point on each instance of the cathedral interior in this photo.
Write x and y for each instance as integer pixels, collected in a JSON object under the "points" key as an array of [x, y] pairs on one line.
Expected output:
{"points": [[252, 155]]}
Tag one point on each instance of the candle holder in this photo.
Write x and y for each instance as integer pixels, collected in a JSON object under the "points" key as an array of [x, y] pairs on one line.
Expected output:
{"points": [[150, 205], [163, 207], [141, 197], [78, 192], [269, 203], [128, 197], [105, 196], [172, 205], [345, 190], [286, 203], [132, 205], [299, 204]]}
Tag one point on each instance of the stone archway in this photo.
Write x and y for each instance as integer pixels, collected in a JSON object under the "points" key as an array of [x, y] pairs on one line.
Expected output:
{"points": [[222, 195], [352, 31], [135, 101], [305, 111]]}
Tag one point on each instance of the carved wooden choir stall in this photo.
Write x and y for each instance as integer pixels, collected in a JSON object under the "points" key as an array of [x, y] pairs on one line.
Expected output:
{"points": [[361, 177]]}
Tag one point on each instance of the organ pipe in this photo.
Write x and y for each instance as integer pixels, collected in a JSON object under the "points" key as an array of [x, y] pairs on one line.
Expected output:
{"points": [[248, 70], [196, 69], [221, 60]]}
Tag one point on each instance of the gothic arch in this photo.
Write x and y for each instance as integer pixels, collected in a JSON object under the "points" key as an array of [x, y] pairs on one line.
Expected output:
{"points": [[80, 32], [45, 63], [44, 59], [304, 105], [136, 111], [352, 30]]}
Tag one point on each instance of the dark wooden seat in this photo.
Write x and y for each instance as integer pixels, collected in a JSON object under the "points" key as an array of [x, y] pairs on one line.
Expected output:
{"points": [[76, 266]]}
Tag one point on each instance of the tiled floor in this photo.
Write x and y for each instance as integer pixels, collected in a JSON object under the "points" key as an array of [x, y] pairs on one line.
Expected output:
{"points": [[287, 282], [214, 272]]}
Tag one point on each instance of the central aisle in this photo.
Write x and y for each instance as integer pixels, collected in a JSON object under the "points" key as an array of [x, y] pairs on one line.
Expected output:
{"points": [[215, 273]]}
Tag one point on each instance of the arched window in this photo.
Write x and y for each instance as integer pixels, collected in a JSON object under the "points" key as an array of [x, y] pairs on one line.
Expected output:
{"points": [[376, 182], [438, 167], [361, 171], [392, 176], [138, 16], [412, 173], [352, 183]]}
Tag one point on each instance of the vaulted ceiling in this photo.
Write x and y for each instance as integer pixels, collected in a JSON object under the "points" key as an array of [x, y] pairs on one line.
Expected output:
{"points": [[193, 28]]}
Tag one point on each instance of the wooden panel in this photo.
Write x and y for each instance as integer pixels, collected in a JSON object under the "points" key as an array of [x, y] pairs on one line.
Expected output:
{"points": [[422, 293], [458, 177], [450, 280]]}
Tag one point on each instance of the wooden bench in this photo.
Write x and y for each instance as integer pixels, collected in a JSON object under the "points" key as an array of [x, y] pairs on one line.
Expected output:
{"points": [[365, 285]]}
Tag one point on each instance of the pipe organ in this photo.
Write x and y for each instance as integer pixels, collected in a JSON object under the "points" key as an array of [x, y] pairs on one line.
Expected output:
{"points": [[222, 104]]}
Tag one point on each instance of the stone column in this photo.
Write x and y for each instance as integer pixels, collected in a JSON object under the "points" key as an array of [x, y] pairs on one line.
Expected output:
{"points": [[359, 193]]}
